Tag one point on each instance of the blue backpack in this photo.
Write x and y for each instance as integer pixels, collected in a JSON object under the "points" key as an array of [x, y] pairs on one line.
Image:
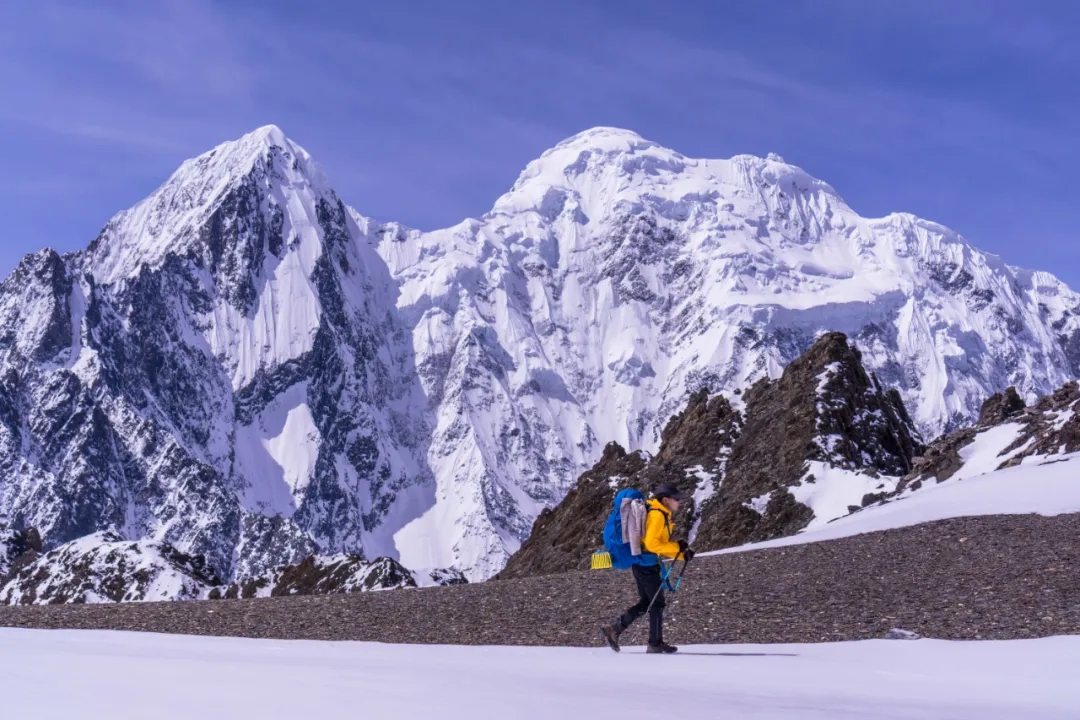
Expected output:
{"points": [[621, 555]]}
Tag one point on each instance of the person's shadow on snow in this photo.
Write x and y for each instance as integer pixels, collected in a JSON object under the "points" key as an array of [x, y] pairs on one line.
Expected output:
{"points": [[734, 654]]}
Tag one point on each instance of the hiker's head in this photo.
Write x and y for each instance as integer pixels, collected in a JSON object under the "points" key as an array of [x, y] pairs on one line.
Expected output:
{"points": [[669, 496]]}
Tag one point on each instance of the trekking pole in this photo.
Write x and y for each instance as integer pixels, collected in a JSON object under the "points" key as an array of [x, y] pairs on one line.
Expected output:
{"points": [[678, 580], [663, 582]]}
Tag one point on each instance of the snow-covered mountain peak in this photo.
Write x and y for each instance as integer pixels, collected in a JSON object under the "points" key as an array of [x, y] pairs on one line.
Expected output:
{"points": [[602, 138], [594, 155], [231, 374], [173, 219], [269, 134], [608, 173]]}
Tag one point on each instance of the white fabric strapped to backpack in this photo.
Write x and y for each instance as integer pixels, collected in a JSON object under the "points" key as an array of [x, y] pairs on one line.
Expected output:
{"points": [[633, 514]]}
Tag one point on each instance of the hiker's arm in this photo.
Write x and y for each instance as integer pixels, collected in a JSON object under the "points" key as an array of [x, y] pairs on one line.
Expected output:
{"points": [[656, 537]]}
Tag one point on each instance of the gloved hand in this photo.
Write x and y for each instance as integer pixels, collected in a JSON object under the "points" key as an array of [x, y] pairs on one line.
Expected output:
{"points": [[685, 551]]}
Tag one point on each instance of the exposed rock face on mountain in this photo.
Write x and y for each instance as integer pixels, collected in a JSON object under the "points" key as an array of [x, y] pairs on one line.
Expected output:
{"points": [[807, 447], [999, 407], [17, 549], [696, 445], [245, 369]]}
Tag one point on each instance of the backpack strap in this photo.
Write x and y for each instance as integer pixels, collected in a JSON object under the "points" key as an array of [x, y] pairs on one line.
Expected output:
{"points": [[667, 518]]}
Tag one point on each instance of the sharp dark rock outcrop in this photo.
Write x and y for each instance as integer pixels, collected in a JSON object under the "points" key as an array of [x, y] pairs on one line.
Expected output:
{"points": [[1001, 406], [824, 420], [941, 458], [105, 568], [691, 456], [18, 548]]}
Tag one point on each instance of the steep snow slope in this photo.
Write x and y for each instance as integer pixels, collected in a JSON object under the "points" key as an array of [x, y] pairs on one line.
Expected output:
{"points": [[321, 575], [179, 677]]}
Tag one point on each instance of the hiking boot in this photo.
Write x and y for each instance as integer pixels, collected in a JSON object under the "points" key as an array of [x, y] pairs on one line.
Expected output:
{"points": [[611, 634], [662, 648]]}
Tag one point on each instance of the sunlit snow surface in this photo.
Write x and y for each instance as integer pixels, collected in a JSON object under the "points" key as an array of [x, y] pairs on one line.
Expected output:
{"points": [[78, 674]]}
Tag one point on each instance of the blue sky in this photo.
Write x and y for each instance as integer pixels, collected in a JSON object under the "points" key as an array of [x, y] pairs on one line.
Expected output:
{"points": [[962, 111]]}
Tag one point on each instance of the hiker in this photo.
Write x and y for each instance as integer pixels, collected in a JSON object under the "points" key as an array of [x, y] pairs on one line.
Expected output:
{"points": [[657, 543]]}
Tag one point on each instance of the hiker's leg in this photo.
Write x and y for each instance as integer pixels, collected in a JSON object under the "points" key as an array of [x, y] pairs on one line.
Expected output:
{"points": [[650, 586], [656, 621], [643, 578]]}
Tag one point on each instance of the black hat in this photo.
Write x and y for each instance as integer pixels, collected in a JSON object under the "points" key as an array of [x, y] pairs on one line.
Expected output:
{"points": [[669, 491]]}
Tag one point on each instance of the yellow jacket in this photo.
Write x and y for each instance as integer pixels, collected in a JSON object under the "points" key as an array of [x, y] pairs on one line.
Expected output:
{"points": [[658, 531]]}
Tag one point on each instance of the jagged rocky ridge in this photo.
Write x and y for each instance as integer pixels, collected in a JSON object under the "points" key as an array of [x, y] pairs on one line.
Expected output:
{"points": [[336, 575], [246, 369], [321, 576], [105, 568], [823, 438], [818, 442], [1008, 432]]}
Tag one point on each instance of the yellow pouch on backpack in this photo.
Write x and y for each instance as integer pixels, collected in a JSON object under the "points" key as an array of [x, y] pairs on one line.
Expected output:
{"points": [[601, 560]]}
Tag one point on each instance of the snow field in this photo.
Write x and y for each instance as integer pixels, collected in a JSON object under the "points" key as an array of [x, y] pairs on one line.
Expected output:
{"points": [[1042, 485], [66, 674]]}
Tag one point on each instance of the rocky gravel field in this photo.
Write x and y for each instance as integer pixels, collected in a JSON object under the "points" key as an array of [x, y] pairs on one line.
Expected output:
{"points": [[999, 577]]}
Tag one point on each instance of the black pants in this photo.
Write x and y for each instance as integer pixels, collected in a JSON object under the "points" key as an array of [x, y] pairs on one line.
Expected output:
{"points": [[649, 582]]}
